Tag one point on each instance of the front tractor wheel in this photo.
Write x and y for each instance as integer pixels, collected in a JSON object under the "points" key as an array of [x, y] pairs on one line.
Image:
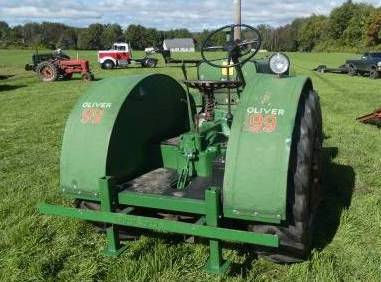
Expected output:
{"points": [[87, 77], [303, 188], [47, 72]]}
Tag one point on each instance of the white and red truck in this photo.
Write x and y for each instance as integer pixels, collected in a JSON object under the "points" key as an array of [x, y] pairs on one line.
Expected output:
{"points": [[120, 55]]}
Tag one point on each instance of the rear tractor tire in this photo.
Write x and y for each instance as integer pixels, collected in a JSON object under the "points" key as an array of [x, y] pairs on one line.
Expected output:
{"points": [[303, 187], [47, 72]]}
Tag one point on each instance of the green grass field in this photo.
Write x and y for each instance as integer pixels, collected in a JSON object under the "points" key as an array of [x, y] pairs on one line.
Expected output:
{"points": [[40, 248]]}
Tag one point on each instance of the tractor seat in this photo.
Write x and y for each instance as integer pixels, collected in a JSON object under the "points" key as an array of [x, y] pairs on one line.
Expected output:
{"points": [[212, 85]]}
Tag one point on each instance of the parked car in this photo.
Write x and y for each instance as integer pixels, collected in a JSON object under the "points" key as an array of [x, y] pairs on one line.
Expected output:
{"points": [[369, 64]]}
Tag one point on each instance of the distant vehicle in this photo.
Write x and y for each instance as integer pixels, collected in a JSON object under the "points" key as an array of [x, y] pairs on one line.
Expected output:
{"points": [[368, 65], [120, 55], [58, 66], [37, 58]]}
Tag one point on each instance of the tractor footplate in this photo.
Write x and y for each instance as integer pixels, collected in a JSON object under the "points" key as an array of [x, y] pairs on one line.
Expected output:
{"points": [[162, 181]]}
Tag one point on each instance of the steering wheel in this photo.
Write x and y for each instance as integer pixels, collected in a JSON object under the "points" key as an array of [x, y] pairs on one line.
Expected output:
{"points": [[239, 51]]}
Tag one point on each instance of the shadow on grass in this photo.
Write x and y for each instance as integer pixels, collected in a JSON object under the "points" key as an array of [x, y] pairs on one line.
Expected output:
{"points": [[7, 87], [337, 188], [6, 76]]}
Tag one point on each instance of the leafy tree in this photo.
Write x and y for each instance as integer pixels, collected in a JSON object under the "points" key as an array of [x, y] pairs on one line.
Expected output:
{"points": [[140, 37], [285, 39], [200, 37], [340, 18], [111, 33], [4, 30], [68, 39], [154, 37], [91, 38], [50, 34], [136, 36], [266, 32], [311, 32], [374, 29], [355, 33], [177, 33], [32, 34], [16, 35]]}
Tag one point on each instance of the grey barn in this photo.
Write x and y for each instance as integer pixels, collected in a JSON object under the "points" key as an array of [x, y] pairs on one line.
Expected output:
{"points": [[179, 45]]}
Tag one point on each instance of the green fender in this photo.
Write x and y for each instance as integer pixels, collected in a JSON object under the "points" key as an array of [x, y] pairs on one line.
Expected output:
{"points": [[257, 160], [111, 128]]}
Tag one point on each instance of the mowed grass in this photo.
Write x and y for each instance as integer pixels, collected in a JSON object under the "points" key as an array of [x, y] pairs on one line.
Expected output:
{"points": [[34, 247]]}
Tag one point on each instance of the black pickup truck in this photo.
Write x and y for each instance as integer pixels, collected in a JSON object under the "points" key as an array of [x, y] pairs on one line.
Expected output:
{"points": [[369, 64]]}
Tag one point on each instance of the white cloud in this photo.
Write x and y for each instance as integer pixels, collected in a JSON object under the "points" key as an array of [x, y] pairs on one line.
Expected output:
{"points": [[194, 15], [40, 12]]}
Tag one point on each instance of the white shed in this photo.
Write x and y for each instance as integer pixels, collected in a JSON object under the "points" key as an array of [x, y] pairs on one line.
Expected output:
{"points": [[179, 45]]}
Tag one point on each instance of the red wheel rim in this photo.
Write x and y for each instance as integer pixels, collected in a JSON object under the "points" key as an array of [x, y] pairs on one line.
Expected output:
{"points": [[47, 73]]}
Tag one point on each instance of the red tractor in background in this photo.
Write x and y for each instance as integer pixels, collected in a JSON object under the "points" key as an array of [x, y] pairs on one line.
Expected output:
{"points": [[57, 65], [120, 55]]}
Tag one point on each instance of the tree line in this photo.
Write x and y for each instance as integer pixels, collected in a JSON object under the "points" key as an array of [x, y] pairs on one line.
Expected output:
{"points": [[95, 37], [349, 27]]}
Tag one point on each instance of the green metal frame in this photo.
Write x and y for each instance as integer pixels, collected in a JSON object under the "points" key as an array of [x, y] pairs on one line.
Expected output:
{"points": [[208, 225]]}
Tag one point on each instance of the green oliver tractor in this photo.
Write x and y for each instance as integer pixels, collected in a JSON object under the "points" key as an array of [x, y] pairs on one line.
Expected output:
{"points": [[232, 156]]}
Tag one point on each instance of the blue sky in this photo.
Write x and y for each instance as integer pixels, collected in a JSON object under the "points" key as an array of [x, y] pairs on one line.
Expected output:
{"points": [[162, 14]]}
